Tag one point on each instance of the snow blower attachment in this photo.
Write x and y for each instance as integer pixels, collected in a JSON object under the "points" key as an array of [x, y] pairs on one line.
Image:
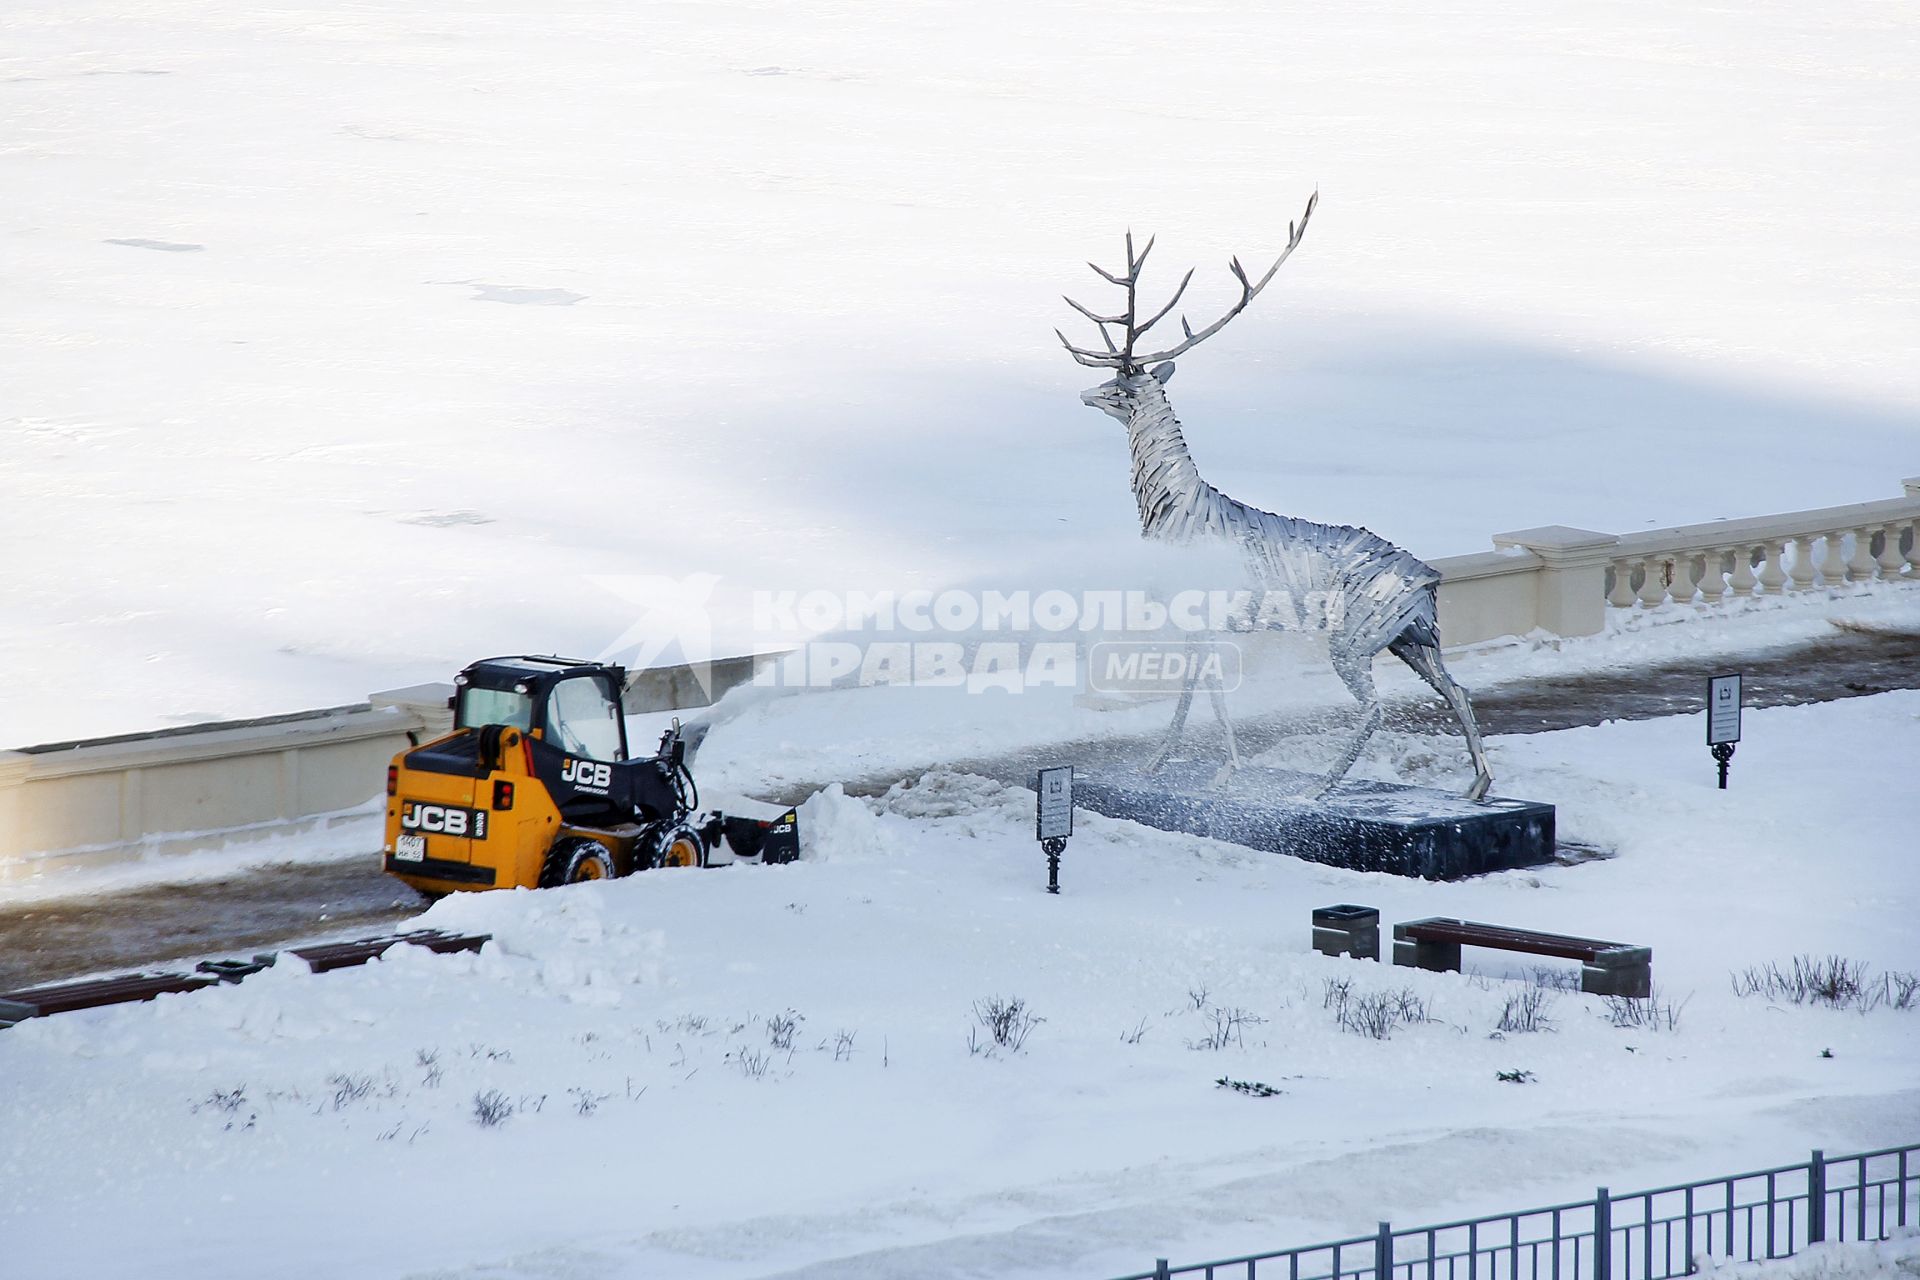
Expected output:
{"points": [[534, 788]]}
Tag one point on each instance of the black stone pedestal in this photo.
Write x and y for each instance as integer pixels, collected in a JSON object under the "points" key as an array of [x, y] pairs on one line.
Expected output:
{"points": [[1363, 826]]}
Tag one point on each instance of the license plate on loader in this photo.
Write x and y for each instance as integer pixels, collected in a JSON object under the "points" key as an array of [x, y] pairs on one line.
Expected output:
{"points": [[410, 848]]}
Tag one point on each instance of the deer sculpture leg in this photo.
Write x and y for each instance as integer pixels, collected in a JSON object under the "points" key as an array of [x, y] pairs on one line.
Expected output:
{"points": [[1218, 694], [1356, 671], [1425, 660], [1172, 739]]}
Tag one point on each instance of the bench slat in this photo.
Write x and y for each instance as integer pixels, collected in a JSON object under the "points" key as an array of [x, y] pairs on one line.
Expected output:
{"points": [[70, 996], [1607, 968], [66, 997], [340, 955], [1472, 934]]}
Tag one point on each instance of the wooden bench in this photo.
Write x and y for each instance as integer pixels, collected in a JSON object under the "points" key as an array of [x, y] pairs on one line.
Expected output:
{"points": [[66, 997], [338, 955], [1606, 968], [93, 993]]}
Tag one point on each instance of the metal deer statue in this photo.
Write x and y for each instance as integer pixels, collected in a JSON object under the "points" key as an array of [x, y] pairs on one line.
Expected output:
{"points": [[1363, 591]]}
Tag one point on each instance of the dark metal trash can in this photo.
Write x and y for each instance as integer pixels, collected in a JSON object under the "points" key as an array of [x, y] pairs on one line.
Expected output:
{"points": [[1347, 930]]}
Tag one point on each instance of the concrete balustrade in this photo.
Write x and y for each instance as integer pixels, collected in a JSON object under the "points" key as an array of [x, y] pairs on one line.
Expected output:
{"points": [[79, 804], [1801, 551], [72, 805], [1563, 580]]}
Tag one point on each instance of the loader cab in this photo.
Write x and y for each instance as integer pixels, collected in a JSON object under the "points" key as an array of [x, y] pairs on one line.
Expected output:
{"points": [[567, 703]]}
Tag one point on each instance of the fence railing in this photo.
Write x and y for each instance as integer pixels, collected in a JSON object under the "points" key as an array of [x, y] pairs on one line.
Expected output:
{"points": [[1643, 1235], [1768, 555], [1564, 580]]}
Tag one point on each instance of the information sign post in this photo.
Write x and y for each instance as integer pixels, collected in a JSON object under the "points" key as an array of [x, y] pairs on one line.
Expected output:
{"points": [[1053, 818], [1723, 720]]}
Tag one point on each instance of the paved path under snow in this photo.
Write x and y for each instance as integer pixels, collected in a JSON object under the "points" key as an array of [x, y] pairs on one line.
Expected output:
{"points": [[269, 907]]}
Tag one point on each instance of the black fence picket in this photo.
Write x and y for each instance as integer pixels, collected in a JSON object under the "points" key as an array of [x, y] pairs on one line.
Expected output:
{"points": [[1643, 1235]]}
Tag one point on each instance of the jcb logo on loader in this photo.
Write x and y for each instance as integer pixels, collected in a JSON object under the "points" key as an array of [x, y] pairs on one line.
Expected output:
{"points": [[588, 775], [444, 819]]}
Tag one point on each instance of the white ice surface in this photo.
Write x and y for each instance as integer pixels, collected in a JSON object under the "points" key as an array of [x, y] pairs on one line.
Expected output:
{"points": [[1082, 1155], [344, 346]]}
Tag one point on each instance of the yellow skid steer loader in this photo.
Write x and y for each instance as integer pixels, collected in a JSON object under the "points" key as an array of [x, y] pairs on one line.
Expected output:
{"points": [[534, 788]]}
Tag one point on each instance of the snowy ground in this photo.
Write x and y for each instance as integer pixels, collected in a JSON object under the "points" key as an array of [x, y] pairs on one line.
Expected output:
{"points": [[345, 344], [1897, 1259], [329, 1122]]}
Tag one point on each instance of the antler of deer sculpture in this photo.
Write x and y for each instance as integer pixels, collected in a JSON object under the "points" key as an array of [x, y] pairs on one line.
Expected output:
{"points": [[1364, 592]]}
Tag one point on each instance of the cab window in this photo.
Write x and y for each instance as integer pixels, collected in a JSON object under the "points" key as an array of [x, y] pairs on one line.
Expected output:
{"points": [[494, 706], [583, 720]]}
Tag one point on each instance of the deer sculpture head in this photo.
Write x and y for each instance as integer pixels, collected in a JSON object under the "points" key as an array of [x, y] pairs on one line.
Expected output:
{"points": [[1137, 375]]}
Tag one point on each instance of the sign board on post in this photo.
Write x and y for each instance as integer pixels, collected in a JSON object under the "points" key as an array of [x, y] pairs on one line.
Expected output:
{"points": [[1723, 710], [1723, 720], [1053, 817]]}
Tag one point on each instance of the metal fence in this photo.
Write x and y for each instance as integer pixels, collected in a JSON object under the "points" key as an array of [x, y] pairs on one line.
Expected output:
{"points": [[1643, 1235]]}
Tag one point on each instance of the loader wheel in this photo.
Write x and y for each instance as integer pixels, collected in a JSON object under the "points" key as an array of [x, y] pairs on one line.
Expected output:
{"points": [[675, 844], [575, 861]]}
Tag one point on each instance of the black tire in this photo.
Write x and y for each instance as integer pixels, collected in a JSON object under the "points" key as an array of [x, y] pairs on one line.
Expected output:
{"points": [[673, 844], [575, 862]]}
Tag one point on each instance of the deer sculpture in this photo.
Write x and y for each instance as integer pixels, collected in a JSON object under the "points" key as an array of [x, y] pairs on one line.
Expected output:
{"points": [[1364, 592]]}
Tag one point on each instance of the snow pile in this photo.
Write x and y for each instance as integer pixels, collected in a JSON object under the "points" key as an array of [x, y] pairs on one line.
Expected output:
{"points": [[835, 825], [1895, 1259]]}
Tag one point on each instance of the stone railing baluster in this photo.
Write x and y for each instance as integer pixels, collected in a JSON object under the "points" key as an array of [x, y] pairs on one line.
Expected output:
{"points": [[1910, 547], [1713, 575], [1620, 596], [1861, 567], [1773, 573], [1833, 564], [1680, 578], [1887, 559], [1802, 572], [1743, 582], [1653, 587]]}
